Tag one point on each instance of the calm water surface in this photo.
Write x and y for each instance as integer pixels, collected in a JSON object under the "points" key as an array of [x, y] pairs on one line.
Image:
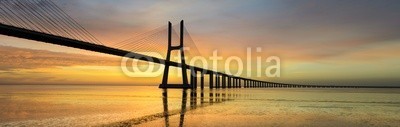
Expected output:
{"points": [[50, 105]]}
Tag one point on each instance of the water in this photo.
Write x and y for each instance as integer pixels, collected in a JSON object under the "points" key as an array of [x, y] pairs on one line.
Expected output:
{"points": [[51, 105]]}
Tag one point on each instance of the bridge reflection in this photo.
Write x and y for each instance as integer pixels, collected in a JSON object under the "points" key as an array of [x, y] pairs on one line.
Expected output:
{"points": [[214, 97]]}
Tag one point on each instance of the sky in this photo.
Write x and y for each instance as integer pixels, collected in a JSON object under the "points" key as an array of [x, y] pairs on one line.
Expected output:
{"points": [[324, 42]]}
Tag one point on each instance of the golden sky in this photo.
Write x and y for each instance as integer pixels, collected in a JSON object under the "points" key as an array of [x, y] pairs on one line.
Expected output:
{"points": [[318, 42]]}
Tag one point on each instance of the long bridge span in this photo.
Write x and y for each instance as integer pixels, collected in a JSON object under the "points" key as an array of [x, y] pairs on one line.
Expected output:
{"points": [[19, 23]]}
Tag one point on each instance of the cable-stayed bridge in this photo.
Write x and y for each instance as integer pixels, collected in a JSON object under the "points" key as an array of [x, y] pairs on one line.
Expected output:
{"points": [[44, 21]]}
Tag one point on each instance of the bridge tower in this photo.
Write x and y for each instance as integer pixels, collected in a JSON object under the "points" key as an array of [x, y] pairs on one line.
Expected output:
{"points": [[185, 83]]}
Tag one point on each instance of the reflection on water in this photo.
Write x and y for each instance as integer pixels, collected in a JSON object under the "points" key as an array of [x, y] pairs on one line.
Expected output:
{"points": [[150, 106], [193, 102]]}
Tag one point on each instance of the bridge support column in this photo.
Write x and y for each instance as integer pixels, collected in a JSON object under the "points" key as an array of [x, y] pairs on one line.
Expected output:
{"points": [[229, 82], [223, 81], [240, 83], [250, 83], [217, 81], [193, 78], [164, 83], [236, 83], [202, 80], [211, 82], [232, 82]]}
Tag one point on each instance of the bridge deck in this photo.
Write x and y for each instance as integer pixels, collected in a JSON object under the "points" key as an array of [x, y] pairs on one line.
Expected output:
{"points": [[59, 40]]}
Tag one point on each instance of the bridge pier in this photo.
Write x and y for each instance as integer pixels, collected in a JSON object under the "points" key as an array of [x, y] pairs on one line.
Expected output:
{"points": [[235, 83], [240, 83], [216, 80], [164, 83], [250, 83], [211, 82], [202, 80], [229, 82], [219, 81], [193, 78], [224, 81]]}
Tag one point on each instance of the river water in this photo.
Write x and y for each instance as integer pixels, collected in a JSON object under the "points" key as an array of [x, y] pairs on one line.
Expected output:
{"points": [[86, 105]]}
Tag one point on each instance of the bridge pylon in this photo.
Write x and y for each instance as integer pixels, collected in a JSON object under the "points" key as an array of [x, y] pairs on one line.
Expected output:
{"points": [[185, 84]]}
